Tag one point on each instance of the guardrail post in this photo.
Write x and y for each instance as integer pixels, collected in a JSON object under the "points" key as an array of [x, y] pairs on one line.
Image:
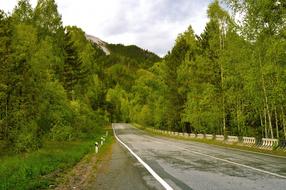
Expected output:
{"points": [[269, 143], [200, 136], [232, 139], [219, 137], [209, 136], [192, 135]]}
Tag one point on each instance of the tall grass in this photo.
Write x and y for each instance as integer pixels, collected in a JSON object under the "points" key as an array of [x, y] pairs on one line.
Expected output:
{"points": [[39, 169]]}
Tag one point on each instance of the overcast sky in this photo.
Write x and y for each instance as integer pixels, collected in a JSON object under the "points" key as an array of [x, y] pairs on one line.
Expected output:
{"points": [[150, 24]]}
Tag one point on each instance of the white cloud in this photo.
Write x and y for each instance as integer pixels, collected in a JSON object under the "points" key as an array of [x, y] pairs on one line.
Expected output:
{"points": [[150, 24]]}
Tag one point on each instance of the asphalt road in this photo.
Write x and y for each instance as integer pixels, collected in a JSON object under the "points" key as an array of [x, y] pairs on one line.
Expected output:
{"points": [[192, 165], [119, 170]]}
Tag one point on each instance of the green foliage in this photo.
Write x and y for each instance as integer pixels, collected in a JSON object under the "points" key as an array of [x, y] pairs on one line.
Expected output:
{"points": [[23, 12], [144, 58], [73, 69], [265, 16], [228, 80], [57, 84], [49, 86], [118, 98], [27, 138], [57, 89], [54, 109], [48, 19], [61, 133], [37, 170]]}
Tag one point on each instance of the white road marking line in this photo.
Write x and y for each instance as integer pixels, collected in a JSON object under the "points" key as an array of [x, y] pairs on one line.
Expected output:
{"points": [[222, 147], [238, 164], [252, 152], [228, 161], [231, 162], [148, 168]]}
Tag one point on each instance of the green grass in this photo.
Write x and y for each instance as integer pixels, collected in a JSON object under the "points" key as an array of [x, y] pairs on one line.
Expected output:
{"points": [[213, 142], [40, 169], [87, 161]]}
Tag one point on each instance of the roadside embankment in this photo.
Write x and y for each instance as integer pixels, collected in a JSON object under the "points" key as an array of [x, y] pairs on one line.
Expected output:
{"points": [[47, 167], [84, 172]]}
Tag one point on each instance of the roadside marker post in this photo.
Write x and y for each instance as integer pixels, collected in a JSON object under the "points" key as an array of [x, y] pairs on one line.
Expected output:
{"points": [[102, 140], [96, 147], [106, 134]]}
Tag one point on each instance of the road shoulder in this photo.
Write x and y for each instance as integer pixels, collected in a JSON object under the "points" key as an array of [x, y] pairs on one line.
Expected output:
{"points": [[84, 171], [119, 170]]}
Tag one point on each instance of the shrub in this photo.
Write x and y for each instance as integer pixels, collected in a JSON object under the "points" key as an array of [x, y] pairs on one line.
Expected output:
{"points": [[27, 138], [61, 132]]}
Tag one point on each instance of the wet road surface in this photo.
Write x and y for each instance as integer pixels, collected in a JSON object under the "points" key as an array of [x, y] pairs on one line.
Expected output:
{"points": [[198, 166], [120, 171]]}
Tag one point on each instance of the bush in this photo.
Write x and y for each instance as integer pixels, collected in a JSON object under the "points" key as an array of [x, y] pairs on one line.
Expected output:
{"points": [[61, 132], [54, 109], [27, 138], [85, 120]]}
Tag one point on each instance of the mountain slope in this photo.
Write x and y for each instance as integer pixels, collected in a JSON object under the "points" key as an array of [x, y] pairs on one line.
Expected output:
{"points": [[99, 42], [142, 57], [136, 53]]}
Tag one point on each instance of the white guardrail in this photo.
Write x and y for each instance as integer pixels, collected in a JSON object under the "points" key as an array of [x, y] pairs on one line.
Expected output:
{"points": [[248, 141], [269, 143], [200, 136], [266, 143], [219, 137], [209, 137], [232, 139], [192, 135]]}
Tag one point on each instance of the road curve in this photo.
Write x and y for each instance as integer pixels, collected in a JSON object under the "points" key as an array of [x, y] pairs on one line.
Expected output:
{"points": [[192, 165]]}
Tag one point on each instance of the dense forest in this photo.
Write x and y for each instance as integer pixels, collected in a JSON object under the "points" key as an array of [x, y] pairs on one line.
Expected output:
{"points": [[228, 80], [56, 84]]}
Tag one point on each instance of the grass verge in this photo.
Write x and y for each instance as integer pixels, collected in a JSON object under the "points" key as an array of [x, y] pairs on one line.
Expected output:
{"points": [[213, 142], [41, 169], [83, 174]]}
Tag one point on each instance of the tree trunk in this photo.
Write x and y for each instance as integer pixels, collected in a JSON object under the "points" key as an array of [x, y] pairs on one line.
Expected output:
{"points": [[261, 123], [284, 128], [221, 43], [266, 99], [6, 131], [270, 124], [223, 116], [237, 118], [265, 123], [223, 99], [283, 122], [276, 124]]}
